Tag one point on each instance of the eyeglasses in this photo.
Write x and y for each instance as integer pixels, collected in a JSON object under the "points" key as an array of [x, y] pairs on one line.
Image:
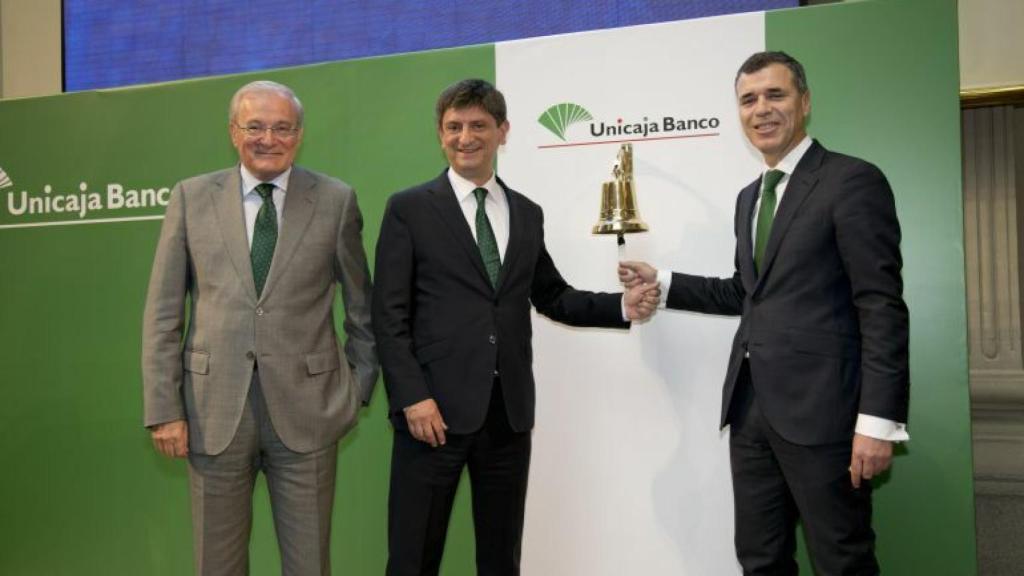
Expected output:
{"points": [[279, 132]]}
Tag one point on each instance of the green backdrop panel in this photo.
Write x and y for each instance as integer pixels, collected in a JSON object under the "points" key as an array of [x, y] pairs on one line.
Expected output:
{"points": [[884, 84], [84, 491]]}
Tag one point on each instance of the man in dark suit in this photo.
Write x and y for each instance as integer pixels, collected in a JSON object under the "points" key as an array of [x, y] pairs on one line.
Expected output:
{"points": [[459, 260], [253, 378], [817, 385]]}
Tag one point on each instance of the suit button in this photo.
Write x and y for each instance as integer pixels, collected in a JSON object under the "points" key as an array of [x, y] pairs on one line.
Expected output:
{"points": [[492, 338], [249, 355], [259, 311]]}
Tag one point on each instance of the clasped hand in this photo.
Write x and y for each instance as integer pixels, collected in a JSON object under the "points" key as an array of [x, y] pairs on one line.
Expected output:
{"points": [[642, 290]]}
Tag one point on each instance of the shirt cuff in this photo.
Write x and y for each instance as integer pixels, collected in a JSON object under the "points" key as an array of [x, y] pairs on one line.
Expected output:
{"points": [[664, 282], [881, 428]]}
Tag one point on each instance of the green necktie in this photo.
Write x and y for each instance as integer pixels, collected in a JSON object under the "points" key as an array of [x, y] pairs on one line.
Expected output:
{"points": [[766, 215], [264, 236], [485, 238]]}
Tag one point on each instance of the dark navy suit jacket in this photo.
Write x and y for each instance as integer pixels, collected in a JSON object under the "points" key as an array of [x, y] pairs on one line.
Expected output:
{"points": [[441, 328], [824, 325]]}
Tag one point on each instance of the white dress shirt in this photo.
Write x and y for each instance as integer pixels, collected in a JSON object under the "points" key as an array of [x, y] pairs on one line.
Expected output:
{"points": [[787, 165], [495, 204], [867, 425], [251, 201]]}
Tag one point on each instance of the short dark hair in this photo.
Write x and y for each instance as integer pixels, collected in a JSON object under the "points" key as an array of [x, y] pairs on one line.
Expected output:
{"points": [[472, 92], [761, 60]]}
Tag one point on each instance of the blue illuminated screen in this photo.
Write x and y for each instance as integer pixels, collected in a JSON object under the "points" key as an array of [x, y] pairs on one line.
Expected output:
{"points": [[118, 42]]}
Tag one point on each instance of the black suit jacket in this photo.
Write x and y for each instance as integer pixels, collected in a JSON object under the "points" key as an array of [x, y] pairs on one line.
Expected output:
{"points": [[824, 324], [442, 330]]}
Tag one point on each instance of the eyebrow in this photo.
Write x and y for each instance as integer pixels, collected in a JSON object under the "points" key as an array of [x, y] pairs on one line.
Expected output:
{"points": [[772, 91]]}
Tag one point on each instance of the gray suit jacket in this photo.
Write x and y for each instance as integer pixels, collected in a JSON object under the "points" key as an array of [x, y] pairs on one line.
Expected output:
{"points": [[313, 389]]}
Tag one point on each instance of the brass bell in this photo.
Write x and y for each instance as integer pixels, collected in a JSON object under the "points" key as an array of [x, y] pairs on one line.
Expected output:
{"points": [[619, 214]]}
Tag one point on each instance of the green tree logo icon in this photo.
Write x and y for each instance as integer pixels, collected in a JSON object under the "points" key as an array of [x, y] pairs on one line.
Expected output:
{"points": [[561, 116]]}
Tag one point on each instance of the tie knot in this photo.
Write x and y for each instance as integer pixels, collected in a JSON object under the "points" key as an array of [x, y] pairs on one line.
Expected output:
{"points": [[771, 179], [481, 194], [265, 189]]}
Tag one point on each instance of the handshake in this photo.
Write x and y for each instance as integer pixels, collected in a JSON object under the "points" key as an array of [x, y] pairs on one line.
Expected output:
{"points": [[643, 293]]}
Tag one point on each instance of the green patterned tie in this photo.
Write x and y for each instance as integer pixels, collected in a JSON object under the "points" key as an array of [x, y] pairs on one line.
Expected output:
{"points": [[264, 236], [766, 215], [485, 238]]}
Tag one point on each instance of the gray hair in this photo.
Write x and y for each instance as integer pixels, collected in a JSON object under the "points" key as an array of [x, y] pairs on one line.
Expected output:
{"points": [[263, 86]]}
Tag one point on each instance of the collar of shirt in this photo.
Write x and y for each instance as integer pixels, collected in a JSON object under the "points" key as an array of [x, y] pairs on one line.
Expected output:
{"points": [[464, 189], [787, 165], [251, 201], [250, 182], [496, 206]]}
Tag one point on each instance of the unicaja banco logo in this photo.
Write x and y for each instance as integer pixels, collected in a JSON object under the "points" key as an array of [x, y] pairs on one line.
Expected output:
{"points": [[561, 116], [628, 125], [49, 204]]}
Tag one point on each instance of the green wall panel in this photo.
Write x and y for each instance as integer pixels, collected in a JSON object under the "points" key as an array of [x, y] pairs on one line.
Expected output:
{"points": [[85, 493], [884, 84]]}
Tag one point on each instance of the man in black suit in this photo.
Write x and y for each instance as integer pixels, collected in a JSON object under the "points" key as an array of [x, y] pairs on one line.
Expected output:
{"points": [[817, 385], [459, 260]]}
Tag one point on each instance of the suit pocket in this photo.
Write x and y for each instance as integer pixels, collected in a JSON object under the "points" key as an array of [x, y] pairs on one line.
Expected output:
{"points": [[195, 361], [433, 351], [823, 344], [321, 362]]}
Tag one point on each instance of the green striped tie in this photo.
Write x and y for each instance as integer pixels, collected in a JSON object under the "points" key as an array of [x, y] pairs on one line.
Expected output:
{"points": [[485, 238], [264, 236], [766, 215]]}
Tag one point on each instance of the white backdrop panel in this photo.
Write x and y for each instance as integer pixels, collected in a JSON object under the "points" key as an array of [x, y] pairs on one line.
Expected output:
{"points": [[630, 473]]}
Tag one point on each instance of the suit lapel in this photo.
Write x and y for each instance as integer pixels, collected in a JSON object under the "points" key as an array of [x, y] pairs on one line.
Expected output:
{"points": [[299, 204], [744, 242], [516, 230], [801, 184], [447, 206], [227, 202]]}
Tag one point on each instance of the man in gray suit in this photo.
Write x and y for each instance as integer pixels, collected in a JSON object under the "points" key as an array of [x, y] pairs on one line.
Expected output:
{"points": [[257, 381]]}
